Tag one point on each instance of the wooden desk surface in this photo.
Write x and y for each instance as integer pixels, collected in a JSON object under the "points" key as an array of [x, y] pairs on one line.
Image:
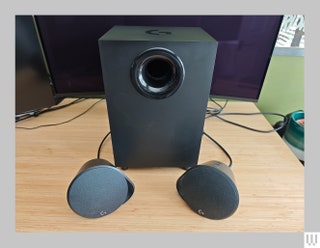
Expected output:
{"points": [[270, 179]]}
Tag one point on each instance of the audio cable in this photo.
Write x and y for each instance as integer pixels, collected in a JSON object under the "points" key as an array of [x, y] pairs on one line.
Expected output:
{"points": [[204, 133], [60, 123], [217, 112]]}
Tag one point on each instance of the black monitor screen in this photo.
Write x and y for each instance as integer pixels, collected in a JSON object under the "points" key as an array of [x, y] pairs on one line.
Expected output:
{"points": [[245, 47]]}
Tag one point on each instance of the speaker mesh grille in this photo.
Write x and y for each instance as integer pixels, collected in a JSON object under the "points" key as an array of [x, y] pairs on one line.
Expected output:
{"points": [[97, 191], [209, 192]]}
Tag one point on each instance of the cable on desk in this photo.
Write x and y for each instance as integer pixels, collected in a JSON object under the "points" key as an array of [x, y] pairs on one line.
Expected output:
{"points": [[39, 112], [101, 143], [60, 123], [221, 147], [62, 106], [211, 112], [207, 135], [249, 114], [217, 112], [214, 111]]}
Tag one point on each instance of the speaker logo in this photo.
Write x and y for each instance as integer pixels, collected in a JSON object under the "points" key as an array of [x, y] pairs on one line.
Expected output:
{"points": [[200, 211], [102, 213], [157, 32]]}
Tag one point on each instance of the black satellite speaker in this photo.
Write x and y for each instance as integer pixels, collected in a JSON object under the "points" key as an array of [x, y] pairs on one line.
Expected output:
{"points": [[157, 82], [98, 189], [209, 190]]}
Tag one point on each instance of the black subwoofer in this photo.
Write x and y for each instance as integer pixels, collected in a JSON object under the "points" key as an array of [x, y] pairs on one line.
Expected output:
{"points": [[157, 82]]}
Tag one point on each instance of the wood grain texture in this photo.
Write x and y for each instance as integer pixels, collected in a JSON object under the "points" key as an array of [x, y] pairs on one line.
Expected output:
{"points": [[270, 179]]}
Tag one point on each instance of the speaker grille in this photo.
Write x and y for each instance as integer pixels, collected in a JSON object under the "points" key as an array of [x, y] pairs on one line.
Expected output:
{"points": [[209, 192], [97, 191]]}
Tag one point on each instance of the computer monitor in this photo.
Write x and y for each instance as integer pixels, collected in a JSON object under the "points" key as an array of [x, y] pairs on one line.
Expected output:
{"points": [[246, 43], [32, 86]]}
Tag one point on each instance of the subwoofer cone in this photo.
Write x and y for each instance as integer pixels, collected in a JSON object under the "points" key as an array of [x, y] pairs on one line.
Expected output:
{"points": [[157, 73]]}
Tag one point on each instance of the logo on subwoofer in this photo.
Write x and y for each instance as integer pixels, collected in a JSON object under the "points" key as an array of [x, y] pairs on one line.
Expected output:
{"points": [[157, 32]]}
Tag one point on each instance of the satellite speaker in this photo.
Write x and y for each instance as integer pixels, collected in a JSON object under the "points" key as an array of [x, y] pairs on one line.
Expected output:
{"points": [[157, 82], [98, 189], [209, 190]]}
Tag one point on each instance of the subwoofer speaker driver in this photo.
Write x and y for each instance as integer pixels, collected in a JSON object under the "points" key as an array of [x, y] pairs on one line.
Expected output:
{"points": [[157, 73]]}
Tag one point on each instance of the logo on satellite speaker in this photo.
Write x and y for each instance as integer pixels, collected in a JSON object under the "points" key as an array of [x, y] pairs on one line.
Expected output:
{"points": [[157, 32]]}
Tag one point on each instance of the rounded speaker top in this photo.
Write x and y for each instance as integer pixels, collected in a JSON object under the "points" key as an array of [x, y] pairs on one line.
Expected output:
{"points": [[209, 190], [98, 191]]}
